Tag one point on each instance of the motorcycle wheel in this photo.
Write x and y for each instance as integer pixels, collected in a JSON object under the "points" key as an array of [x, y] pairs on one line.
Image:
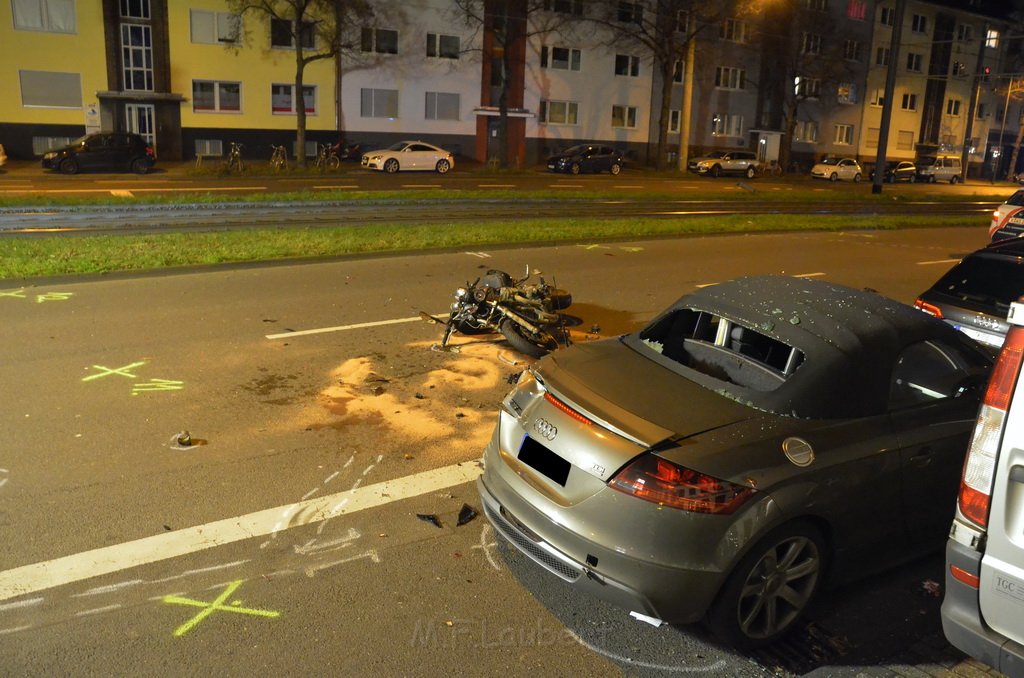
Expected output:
{"points": [[540, 346]]}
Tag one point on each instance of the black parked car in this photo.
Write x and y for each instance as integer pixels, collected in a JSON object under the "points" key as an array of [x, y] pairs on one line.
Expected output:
{"points": [[975, 295], [898, 171], [587, 158], [111, 151]]}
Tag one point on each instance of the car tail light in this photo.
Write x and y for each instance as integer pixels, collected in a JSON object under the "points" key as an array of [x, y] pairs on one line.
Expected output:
{"points": [[150, 152], [979, 467], [965, 577], [662, 482], [930, 309]]}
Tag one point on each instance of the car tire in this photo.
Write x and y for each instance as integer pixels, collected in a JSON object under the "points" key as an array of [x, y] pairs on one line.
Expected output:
{"points": [[140, 165], [575, 168], [615, 168], [931, 179], [771, 586], [751, 172], [912, 179], [834, 177], [856, 178], [892, 179], [519, 342], [391, 166], [442, 166], [716, 171], [954, 179], [68, 166]]}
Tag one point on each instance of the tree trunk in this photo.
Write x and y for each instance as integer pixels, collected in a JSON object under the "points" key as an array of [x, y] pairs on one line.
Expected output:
{"points": [[300, 109], [1012, 169], [667, 71]]}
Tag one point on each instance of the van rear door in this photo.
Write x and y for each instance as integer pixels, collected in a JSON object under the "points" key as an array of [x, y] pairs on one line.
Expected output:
{"points": [[1002, 566]]}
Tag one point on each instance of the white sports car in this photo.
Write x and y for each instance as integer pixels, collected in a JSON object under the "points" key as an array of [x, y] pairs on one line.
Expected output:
{"points": [[409, 155]]}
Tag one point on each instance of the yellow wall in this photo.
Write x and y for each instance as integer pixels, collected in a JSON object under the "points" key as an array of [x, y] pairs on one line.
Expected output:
{"points": [[252, 63], [82, 52]]}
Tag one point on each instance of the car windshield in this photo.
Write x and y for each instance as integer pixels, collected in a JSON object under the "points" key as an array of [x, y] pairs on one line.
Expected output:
{"points": [[80, 140], [716, 154], [926, 160], [1017, 199], [985, 280], [575, 150], [399, 146]]}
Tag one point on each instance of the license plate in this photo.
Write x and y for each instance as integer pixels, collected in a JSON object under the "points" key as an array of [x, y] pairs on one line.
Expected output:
{"points": [[543, 460]]}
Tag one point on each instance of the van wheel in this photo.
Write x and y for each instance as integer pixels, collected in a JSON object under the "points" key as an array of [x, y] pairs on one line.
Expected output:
{"points": [[931, 179], [751, 172], [954, 179]]}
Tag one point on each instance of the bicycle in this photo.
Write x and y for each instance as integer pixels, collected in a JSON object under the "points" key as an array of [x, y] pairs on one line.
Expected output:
{"points": [[233, 163], [772, 169], [279, 159], [327, 158]]}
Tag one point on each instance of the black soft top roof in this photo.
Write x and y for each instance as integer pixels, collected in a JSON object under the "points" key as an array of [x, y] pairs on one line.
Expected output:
{"points": [[850, 340]]}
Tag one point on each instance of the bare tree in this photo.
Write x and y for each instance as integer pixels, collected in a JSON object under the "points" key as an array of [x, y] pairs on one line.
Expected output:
{"points": [[802, 62], [315, 29], [663, 30], [504, 28]]}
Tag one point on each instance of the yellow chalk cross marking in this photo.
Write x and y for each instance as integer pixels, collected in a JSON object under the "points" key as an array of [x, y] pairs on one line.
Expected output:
{"points": [[18, 294], [210, 608], [158, 385], [123, 371], [53, 296]]}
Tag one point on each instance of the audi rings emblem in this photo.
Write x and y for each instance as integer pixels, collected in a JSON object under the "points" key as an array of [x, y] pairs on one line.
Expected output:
{"points": [[545, 428]]}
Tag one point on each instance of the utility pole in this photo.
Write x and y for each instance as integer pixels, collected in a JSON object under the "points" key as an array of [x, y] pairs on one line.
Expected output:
{"points": [[890, 89], [965, 152], [684, 123]]}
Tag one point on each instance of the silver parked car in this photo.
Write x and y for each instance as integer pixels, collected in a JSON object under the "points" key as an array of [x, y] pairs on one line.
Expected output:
{"points": [[983, 609], [756, 438], [834, 169], [409, 155], [718, 163]]}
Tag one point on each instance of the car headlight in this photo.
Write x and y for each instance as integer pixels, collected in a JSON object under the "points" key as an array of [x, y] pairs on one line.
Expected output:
{"points": [[50, 156], [461, 293]]}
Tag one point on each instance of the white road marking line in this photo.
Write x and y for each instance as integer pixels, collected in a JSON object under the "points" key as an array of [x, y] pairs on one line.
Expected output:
{"points": [[80, 566], [14, 630], [808, 275], [937, 261], [139, 190], [482, 255], [337, 186], [355, 326], [421, 186], [626, 186], [21, 603], [495, 185], [98, 610], [566, 186]]}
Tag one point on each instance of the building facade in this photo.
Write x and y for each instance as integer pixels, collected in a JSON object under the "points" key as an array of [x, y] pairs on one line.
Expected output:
{"points": [[798, 79]]}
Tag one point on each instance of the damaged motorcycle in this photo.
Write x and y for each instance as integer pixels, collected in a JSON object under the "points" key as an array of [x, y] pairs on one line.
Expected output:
{"points": [[526, 314]]}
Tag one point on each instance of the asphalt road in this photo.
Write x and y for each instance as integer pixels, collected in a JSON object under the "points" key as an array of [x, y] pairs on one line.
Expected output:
{"points": [[285, 540]]}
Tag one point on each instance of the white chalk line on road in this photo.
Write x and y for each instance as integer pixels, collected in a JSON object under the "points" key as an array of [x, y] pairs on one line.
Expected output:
{"points": [[354, 326], [937, 261], [59, 571]]}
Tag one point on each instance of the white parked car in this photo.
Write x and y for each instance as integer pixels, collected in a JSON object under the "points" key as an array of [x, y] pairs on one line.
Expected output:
{"points": [[1007, 220], [835, 169], [983, 609], [3, 156], [409, 155]]}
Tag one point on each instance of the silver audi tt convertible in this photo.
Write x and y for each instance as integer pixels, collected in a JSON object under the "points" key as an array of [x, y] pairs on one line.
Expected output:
{"points": [[757, 439]]}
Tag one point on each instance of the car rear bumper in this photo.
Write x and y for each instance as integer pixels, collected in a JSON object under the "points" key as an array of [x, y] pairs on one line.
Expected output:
{"points": [[962, 622], [673, 594]]}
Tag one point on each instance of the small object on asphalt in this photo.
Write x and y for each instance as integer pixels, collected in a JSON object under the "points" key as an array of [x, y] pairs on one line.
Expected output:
{"points": [[419, 396], [429, 518], [466, 514], [514, 377], [595, 329], [377, 390], [459, 415], [653, 621], [409, 456], [184, 439], [932, 588]]}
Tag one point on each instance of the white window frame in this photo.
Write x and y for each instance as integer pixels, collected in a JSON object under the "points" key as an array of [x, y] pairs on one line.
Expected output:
{"points": [[806, 132], [224, 27], [953, 106], [964, 32], [852, 50], [730, 77], [137, 59], [878, 97], [674, 116], [882, 56], [435, 41], [810, 43], [570, 110], [808, 88], [992, 39], [733, 30], [843, 134], [887, 16], [431, 105], [45, 16], [625, 114], [135, 9], [919, 23], [311, 90], [291, 35], [372, 46], [632, 65], [726, 125], [217, 106], [909, 101], [573, 60], [373, 93], [914, 60]]}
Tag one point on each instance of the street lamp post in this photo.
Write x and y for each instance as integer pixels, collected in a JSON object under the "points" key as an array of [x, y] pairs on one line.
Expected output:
{"points": [[890, 88]]}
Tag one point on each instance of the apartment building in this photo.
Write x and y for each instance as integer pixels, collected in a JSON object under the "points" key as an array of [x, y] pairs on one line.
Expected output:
{"points": [[802, 76]]}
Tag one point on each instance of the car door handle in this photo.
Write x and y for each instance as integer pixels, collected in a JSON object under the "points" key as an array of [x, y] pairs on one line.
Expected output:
{"points": [[923, 456]]}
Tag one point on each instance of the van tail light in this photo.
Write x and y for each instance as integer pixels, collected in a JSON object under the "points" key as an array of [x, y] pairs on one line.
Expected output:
{"points": [[979, 466], [662, 482], [930, 309], [965, 577], [150, 152]]}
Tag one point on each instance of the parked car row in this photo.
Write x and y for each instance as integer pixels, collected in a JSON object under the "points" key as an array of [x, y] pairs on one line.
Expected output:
{"points": [[927, 168], [710, 467]]}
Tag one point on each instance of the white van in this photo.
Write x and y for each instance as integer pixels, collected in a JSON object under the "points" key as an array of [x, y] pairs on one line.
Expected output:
{"points": [[934, 168], [983, 610]]}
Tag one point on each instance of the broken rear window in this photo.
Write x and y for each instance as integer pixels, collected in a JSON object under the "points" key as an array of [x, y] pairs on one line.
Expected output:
{"points": [[723, 349]]}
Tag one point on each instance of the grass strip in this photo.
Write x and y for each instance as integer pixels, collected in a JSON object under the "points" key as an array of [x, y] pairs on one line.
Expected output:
{"points": [[67, 254]]}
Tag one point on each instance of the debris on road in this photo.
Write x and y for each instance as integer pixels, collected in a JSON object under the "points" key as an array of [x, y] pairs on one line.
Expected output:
{"points": [[429, 518], [466, 514]]}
